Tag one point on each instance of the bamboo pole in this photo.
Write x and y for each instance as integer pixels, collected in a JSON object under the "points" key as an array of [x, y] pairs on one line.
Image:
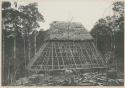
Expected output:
{"points": [[61, 54], [72, 56], [57, 57], [93, 55], [83, 55], [87, 53], [80, 50]]}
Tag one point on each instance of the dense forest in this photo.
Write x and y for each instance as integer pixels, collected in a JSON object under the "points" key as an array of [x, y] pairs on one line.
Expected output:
{"points": [[109, 35], [20, 38]]}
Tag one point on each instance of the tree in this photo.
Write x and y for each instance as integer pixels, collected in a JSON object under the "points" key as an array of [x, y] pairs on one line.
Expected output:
{"points": [[109, 33], [16, 24], [32, 11], [118, 8], [10, 25], [102, 33], [6, 4]]}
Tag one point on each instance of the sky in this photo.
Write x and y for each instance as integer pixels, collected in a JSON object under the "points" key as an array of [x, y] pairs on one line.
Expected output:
{"points": [[85, 11]]}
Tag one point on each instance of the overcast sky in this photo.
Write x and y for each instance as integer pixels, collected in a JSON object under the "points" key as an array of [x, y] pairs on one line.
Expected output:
{"points": [[85, 11]]}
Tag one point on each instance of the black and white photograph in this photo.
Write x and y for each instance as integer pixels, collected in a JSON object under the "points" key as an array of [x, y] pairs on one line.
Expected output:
{"points": [[62, 43]]}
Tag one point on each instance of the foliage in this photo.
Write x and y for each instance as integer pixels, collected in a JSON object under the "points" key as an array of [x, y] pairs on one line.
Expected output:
{"points": [[109, 31], [16, 25], [32, 12], [118, 7], [6, 4]]}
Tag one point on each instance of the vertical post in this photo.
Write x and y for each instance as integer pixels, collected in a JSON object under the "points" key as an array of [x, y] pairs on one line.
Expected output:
{"points": [[3, 42], [28, 47], [14, 56], [36, 33], [113, 35], [107, 75], [8, 72], [35, 44], [14, 50], [25, 53]]}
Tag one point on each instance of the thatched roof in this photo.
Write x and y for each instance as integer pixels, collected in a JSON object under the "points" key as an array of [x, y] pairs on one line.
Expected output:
{"points": [[60, 30], [61, 55]]}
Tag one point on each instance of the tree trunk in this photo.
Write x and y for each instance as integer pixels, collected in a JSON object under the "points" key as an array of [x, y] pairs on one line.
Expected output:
{"points": [[25, 60], [3, 72], [35, 45], [3, 61], [28, 52], [24, 50], [14, 56], [8, 71], [29, 48]]}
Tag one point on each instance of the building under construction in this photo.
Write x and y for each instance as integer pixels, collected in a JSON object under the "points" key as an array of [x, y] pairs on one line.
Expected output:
{"points": [[68, 46]]}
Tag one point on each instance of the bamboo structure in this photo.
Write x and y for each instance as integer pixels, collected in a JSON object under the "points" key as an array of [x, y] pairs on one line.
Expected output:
{"points": [[62, 50]]}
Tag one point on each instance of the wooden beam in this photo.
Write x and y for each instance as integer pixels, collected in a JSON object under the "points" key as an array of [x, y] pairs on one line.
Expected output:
{"points": [[88, 56], [72, 55], [80, 48], [86, 67], [37, 55], [79, 57], [61, 54], [57, 56], [47, 61], [93, 55], [83, 54]]}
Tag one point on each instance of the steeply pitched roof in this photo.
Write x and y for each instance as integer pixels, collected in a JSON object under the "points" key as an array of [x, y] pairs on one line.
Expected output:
{"points": [[60, 30]]}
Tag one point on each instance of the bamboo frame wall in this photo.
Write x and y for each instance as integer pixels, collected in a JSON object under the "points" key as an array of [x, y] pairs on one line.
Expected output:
{"points": [[61, 55]]}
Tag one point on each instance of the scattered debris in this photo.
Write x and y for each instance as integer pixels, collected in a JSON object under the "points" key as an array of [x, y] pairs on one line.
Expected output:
{"points": [[85, 79]]}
